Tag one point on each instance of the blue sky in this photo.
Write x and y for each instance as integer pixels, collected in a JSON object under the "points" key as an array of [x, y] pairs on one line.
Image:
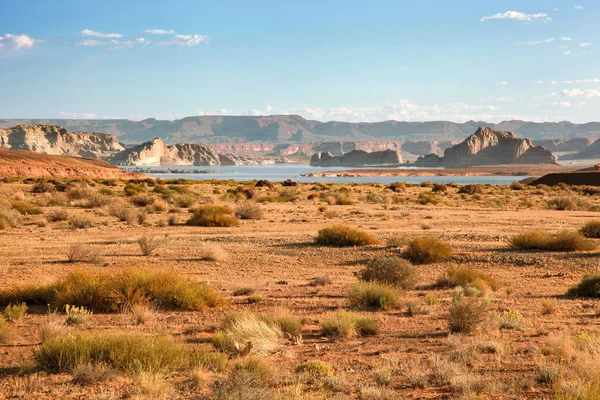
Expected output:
{"points": [[327, 59]]}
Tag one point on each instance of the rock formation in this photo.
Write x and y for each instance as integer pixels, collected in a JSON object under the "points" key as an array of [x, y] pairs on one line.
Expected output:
{"points": [[589, 153], [489, 147], [53, 139], [582, 177], [356, 158]]}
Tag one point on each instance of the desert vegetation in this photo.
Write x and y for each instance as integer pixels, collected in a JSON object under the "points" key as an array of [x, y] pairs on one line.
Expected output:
{"points": [[220, 289]]}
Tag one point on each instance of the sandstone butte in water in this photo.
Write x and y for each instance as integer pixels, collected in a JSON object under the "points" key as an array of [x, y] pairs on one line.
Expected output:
{"points": [[489, 147], [356, 158], [157, 153], [38, 165], [53, 139]]}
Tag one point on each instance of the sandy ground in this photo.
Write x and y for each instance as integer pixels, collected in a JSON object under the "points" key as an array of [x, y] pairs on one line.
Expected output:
{"points": [[276, 257]]}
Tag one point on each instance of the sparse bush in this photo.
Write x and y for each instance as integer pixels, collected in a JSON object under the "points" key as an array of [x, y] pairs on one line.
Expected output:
{"points": [[77, 315], [89, 373], [427, 250], [80, 221], [26, 208], [141, 313], [211, 252], [466, 276], [7, 332], [125, 351], [210, 360], [42, 186], [591, 229], [212, 216], [248, 210], [588, 287], [373, 295], [393, 271], [548, 307], [254, 299], [398, 187], [245, 291], [315, 368], [344, 236], [439, 188], [57, 215], [185, 201], [10, 218], [562, 241], [112, 291], [562, 203], [516, 185], [467, 313], [470, 189], [81, 253], [511, 320], [343, 199], [14, 312], [149, 243], [320, 281], [344, 324], [395, 241], [245, 333], [427, 198], [142, 200], [264, 183]]}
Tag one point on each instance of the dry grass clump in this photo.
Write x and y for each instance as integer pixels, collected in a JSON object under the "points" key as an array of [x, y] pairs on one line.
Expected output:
{"points": [[467, 313], [211, 252], [10, 218], [465, 276], [212, 216], [397, 187], [562, 241], [113, 291], [344, 324], [320, 281], [245, 291], [90, 373], [395, 241], [25, 208], [343, 236], [141, 313], [78, 252], [563, 203], [393, 271], [127, 351], [471, 189], [242, 384], [248, 210], [591, 229], [149, 243], [210, 360], [427, 250], [373, 295], [14, 312], [57, 216], [315, 368], [245, 333], [81, 221], [7, 332], [588, 287]]}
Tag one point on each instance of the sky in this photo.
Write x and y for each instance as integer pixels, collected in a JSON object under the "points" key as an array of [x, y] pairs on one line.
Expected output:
{"points": [[343, 60]]}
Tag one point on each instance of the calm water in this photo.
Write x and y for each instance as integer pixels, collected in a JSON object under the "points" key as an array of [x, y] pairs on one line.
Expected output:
{"points": [[281, 172]]}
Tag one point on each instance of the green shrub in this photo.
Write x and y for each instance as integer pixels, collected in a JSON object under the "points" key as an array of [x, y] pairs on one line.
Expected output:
{"points": [[591, 229], [373, 295], [129, 351], [344, 324], [466, 276], [315, 368], [562, 241], [212, 216], [427, 250], [393, 271], [343, 236], [112, 291], [588, 287], [14, 312]]}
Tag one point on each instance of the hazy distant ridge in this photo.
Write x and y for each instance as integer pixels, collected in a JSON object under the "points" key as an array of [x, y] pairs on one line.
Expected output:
{"points": [[295, 129]]}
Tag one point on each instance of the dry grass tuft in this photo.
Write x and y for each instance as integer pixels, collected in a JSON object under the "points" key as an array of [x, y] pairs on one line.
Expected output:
{"points": [[246, 333], [562, 241], [14, 312], [465, 276], [149, 243], [248, 210], [344, 236], [588, 287], [591, 229], [212, 252], [78, 252], [392, 271], [373, 295], [7, 332], [212, 216], [344, 324], [427, 250], [467, 313]]}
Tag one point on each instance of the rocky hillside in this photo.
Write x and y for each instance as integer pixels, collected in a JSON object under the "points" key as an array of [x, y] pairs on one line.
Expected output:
{"points": [[157, 153], [591, 152], [53, 139], [295, 129], [30, 164], [489, 147], [356, 158]]}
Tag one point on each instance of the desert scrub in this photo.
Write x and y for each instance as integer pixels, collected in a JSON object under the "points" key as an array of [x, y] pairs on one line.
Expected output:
{"points": [[467, 313], [315, 368], [126, 351], [212, 216], [248, 210], [243, 333], [80, 221], [465, 276], [14, 312], [10, 218], [25, 208], [427, 250], [57, 216], [588, 287], [7, 332], [79, 252], [393, 271], [77, 315], [471, 189], [344, 236], [344, 324], [373, 295], [591, 229], [562, 241], [112, 291], [427, 198], [149, 243]]}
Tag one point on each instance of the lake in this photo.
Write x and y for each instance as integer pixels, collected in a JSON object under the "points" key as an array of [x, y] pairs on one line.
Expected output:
{"points": [[281, 172]]}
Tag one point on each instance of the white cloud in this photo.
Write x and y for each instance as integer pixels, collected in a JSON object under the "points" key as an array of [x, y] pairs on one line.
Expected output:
{"points": [[76, 115], [564, 104], [502, 83], [554, 83], [91, 43], [16, 42], [585, 44], [591, 80], [185, 40], [579, 7], [581, 93], [89, 32], [118, 44], [539, 82], [565, 53], [536, 42], [160, 32], [565, 38], [516, 15]]}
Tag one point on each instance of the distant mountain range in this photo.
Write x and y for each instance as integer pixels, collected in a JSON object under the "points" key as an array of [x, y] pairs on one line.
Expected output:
{"points": [[295, 129]]}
